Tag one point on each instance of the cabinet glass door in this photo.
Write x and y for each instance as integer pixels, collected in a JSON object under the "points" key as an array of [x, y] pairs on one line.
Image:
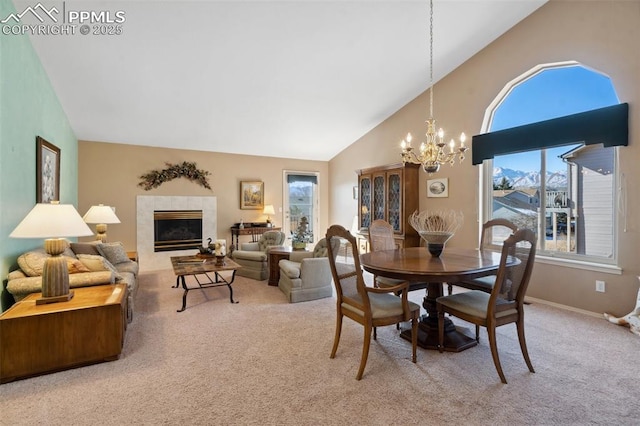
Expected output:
{"points": [[365, 202], [394, 203], [378, 197]]}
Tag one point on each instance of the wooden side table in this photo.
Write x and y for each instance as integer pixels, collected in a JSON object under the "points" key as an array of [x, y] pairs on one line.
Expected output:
{"points": [[39, 339], [276, 254]]}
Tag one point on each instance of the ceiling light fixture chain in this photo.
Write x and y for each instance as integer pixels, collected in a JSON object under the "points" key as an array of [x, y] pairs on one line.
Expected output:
{"points": [[432, 154], [431, 59]]}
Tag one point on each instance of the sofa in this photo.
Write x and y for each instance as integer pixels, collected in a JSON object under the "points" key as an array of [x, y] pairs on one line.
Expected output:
{"points": [[89, 264], [307, 275]]}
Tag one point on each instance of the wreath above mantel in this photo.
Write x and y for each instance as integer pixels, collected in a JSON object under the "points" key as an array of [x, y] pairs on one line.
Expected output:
{"points": [[186, 169]]}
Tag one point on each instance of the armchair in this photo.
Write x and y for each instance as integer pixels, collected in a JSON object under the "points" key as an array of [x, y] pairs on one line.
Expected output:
{"points": [[253, 256], [307, 275]]}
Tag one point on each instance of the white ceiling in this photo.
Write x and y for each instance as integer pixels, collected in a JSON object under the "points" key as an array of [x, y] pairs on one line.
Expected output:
{"points": [[298, 79]]}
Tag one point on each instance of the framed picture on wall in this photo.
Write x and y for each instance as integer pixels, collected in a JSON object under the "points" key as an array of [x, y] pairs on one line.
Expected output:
{"points": [[438, 187], [251, 195], [47, 171]]}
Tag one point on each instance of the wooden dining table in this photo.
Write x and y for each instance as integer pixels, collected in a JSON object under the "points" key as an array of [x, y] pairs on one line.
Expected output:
{"points": [[418, 266]]}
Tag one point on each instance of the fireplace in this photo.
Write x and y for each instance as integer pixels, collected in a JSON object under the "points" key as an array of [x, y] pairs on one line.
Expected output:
{"points": [[177, 230]]}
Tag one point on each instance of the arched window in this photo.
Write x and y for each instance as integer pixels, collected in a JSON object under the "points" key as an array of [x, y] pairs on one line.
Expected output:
{"points": [[555, 175]]}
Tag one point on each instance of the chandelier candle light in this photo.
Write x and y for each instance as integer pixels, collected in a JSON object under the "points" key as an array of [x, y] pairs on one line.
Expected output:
{"points": [[436, 227], [432, 151]]}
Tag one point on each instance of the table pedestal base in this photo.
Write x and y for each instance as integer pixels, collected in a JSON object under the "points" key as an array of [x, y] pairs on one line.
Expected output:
{"points": [[454, 341]]}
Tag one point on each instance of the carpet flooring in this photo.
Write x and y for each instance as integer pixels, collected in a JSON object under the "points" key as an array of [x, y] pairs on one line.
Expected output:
{"points": [[264, 361]]}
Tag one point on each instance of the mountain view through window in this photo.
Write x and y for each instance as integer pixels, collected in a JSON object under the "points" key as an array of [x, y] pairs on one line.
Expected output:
{"points": [[577, 193]]}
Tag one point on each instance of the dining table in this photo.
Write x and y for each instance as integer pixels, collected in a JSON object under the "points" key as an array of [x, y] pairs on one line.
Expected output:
{"points": [[423, 270]]}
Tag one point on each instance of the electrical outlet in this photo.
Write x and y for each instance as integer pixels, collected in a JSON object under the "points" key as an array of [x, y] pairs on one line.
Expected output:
{"points": [[600, 286]]}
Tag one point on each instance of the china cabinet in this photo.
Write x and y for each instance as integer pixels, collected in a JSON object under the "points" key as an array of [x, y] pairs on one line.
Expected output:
{"points": [[389, 193]]}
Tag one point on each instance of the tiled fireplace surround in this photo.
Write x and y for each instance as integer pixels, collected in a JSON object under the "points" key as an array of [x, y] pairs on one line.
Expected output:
{"points": [[147, 204]]}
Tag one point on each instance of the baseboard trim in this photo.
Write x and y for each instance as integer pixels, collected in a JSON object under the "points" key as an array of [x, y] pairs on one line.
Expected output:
{"points": [[560, 306]]}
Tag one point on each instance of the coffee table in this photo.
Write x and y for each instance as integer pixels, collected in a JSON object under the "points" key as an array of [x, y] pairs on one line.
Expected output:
{"points": [[200, 268]]}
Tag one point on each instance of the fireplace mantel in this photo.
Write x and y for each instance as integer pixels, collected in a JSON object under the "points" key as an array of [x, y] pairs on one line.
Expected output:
{"points": [[146, 205]]}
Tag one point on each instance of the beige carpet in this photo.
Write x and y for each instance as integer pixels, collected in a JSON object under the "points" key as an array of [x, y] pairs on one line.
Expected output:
{"points": [[264, 361]]}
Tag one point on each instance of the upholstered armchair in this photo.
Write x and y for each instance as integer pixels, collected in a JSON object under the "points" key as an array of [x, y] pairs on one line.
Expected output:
{"points": [[253, 256], [307, 275]]}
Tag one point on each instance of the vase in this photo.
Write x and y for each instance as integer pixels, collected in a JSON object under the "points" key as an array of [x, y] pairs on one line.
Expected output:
{"points": [[299, 245], [435, 249], [435, 241]]}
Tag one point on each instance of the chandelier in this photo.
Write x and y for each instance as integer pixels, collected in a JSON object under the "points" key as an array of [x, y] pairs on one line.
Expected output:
{"points": [[433, 151]]}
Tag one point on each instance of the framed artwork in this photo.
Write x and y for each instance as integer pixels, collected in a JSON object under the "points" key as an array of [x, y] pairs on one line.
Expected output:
{"points": [[438, 187], [251, 195], [47, 171]]}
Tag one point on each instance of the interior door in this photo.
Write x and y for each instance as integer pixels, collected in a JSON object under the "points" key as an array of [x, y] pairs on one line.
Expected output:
{"points": [[301, 199]]}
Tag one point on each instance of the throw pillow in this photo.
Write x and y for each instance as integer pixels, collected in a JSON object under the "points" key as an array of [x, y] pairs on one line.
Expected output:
{"points": [[85, 248], [96, 263], [32, 263], [114, 252]]}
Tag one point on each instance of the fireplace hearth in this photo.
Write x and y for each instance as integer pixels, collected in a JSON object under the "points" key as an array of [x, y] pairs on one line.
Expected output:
{"points": [[177, 230]]}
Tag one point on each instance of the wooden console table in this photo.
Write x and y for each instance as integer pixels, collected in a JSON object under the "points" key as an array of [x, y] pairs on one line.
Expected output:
{"points": [[255, 229], [39, 339]]}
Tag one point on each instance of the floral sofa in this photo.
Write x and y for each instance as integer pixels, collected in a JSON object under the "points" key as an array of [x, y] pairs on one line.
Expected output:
{"points": [[89, 264]]}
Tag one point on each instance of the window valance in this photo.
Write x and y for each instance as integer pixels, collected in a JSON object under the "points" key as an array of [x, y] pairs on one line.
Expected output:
{"points": [[609, 126]]}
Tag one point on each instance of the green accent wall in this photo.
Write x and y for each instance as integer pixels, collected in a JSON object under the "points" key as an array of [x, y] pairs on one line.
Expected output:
{"points": [[29, 107]]}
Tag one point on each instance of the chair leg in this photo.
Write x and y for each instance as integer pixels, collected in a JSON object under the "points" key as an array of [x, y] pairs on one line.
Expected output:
{"points": [[414, 337], [491, 331], [523, 344], [375, 333], [450, 289], [440, 330], [365, 351], [477, 333], [336, 339]]}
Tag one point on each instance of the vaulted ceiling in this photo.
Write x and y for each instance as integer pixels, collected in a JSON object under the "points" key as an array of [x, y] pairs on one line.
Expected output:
{"points": [[297, 79]]}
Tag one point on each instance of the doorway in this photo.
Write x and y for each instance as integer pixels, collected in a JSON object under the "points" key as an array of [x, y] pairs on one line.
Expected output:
{"points": [[300, 200]]}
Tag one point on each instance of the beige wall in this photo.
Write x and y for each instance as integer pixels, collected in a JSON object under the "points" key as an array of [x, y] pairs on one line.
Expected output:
{"points": [[602, 35], [109, 174]]}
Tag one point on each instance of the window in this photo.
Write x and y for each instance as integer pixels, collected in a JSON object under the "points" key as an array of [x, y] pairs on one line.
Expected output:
{"points": [[565, 191], [301, 200]]}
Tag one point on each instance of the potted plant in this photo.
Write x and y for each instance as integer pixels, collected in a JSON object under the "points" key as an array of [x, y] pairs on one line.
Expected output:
{"points": [[301, 236]]}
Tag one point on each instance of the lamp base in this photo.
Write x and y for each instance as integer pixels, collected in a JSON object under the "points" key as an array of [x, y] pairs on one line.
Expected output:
{"points": [[55, 299]]}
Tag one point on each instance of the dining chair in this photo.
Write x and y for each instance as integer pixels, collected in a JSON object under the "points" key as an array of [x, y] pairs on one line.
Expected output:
{"points": [[381, 238], [505, 303], [369, 306], [493, 231]]}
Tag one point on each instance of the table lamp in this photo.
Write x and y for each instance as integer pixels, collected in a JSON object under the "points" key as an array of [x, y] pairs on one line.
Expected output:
{"points": [[268, 210], [101, 215], [54, 222]]}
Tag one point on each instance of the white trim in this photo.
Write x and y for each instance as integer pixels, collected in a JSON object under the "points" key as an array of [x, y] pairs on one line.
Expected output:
{"points": [[563, 307], [580, 264]]}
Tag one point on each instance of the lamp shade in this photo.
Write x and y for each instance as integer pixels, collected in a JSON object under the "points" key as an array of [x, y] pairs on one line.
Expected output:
{"points": [[101, 214], [51, 221], [268, 209]]}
